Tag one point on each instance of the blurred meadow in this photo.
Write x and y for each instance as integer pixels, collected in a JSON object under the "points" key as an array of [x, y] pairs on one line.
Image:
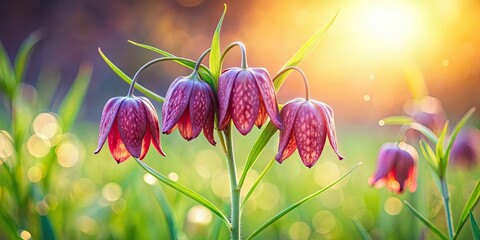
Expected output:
{"points": [[373, 62]]}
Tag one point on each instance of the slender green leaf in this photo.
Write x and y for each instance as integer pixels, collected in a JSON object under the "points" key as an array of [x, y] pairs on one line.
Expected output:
{"points": [[425, 221], [475, 228], [204, 72], [429, 156], [215, 53], [9, 225], [469, 205], [7, 75], [457, 129], [439, 150], [303, 52], [73, 101], [23, 55], [167, 211], [425, 131], [47, 229], [128, 80], [396, 120], [259, 179], [185, 190], [363, 232], [257, 148], [295, 205]]}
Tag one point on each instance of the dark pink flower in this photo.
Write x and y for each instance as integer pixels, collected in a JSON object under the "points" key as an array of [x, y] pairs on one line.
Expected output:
{"points": [[307, 124], [396, 167], [466, 148], [189, 105], [247, 96], [129, 123]]}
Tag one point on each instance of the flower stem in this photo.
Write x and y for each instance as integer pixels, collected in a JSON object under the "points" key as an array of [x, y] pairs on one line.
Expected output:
{"points": [[235, 191], [199, 61], [242, 49], [305, 81], [447, 207]]}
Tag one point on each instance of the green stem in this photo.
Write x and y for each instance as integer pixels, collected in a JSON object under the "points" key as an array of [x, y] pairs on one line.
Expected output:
{"points": [[447, 207], [242, 49], [235, 191]]}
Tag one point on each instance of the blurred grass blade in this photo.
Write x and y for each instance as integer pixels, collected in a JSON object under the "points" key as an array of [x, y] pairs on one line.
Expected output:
{"points": [[475, 228], [23, 54], [396, 120], [215, 53], [7, 75], [47, 229], [204, 72], [184, 190], [73, 101], [295, 205], [128, 80], [469, 205], [167, 211], [425, 221], [361, 230], [47, 84], [257, 148], [457, 129], [303, 52], [7, 223], [259, 179]]}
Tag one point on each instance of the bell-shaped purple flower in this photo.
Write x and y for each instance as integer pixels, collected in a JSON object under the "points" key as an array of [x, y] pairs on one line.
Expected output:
{"points": [[130, 124], [189, 105], [307, 125], [466, 148], [247, 96], [428, 112], [396, 167]]}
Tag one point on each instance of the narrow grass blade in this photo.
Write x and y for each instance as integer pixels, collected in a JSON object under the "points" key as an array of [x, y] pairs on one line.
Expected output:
{"points": [[259, 179], [47, 229], [361, 230], [425, 131], [439, 151], [471, 202], [475, 228], [204, 72], [9, 227], [7, 75], [425, 221], [128, 80], [295, 205], [303, 52], [23, 54], [429, 155], [215, 53], [457, 129], [167, 211], [396, 120], [72, 102], [184, 190], [257, 148]]}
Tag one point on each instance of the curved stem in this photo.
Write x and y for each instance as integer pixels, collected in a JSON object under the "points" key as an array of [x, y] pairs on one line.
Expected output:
{"points": [[305, 81], [242, 49], [199, 61], [235, 191], [447, 207], [148, 64]]}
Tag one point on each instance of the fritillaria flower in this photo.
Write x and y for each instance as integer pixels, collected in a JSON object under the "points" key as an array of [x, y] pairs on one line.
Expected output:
{"points": [[307, 122], [428, 112], [130, 124], [466, 148], [246, 96], [189, 105], [396, 167]]}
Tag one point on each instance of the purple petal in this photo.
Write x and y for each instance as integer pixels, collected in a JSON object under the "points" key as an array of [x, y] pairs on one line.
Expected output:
{"points": [[403, 167], [152, 121], [245, 102], [185, 125], [145, 144], [327, 112], [176, 101], [310, 133], [132, 125], [116, 146], [267, 92], [108, 117], [200, 106], [225, 86], [288, 114], [385, 162], [262, 115], [208, 128], [288, 151]]}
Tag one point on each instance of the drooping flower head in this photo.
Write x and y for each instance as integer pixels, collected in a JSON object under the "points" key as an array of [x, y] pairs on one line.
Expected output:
{"points": [[307, 123], [189, 105], [130, 124], [428, 112], [396, 167], [466, 148], [247, 96]]}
